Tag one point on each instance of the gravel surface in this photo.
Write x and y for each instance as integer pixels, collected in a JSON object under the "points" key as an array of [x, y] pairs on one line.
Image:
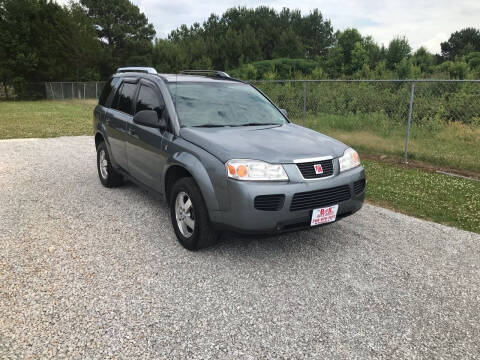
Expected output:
{"points": [[90, 272]]}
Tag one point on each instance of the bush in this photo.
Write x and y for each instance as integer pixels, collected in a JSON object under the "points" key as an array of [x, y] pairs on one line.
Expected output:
{"points": [[434, 103]]}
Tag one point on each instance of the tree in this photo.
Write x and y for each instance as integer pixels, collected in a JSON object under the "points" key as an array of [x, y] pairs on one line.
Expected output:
{"points": [[289, 45], [347, 40], [473, 59], [359, 58], [124, 32], [84, 48], [455, 70], [333, 64], [423, 59], [406, 70], [459, 70], [374, 52], [381, 70], [41, 40], [398, 49], [461, 43], [17, 60], [243, 35], [316, 34], [167, 57]]}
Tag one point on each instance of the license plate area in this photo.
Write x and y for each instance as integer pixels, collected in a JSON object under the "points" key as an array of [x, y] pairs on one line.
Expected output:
{"points": [[324, 215]]}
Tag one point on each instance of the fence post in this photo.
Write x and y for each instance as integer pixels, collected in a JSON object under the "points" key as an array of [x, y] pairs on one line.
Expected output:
{"points": [[63, 94], [304, 102], [73, 94], [96, 89], [412, 92], [51, 89], [84, 84]]}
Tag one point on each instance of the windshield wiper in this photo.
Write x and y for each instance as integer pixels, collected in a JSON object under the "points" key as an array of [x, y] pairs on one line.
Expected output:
{"points": [[235, 125], [210, 125], [256, 124]]}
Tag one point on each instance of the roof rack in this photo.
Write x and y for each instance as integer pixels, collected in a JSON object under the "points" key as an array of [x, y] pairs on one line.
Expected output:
{"points": [[148, 70], [211, 73]]}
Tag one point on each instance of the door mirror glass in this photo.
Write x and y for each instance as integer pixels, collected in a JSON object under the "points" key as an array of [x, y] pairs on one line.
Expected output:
{"points": [[284, 112], [147, 118]]}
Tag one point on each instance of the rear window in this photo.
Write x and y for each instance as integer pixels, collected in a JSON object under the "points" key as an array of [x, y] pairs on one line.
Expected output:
{"points": [[124, 98], [107, 89]]}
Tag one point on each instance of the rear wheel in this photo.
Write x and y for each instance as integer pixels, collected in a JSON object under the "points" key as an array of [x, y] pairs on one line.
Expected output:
{"points": [[189, 215], [107, 174]]}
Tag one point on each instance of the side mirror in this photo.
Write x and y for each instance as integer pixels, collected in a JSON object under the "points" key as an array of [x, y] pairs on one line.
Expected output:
{"points": [[146, 118], [150, 118], [284, 112]]}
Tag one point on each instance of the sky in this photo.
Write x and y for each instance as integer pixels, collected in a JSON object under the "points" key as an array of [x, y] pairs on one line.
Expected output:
{"points": [[424, 22]]}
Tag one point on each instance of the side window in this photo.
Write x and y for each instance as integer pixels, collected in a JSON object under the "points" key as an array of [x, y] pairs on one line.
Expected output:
{"points": [[107, 89], [123, 100], [148, 99], [115, 98]]}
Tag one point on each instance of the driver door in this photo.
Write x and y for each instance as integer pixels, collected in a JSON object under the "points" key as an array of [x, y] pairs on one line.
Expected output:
{"points": [[144, 145]]}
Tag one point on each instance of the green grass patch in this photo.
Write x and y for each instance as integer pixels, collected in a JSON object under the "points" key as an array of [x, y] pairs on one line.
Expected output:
{"points": [[450, 145], [444, 199], [39, 119]]}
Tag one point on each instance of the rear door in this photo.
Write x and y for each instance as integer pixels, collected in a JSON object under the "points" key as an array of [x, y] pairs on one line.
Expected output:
{"points": [[105, 99], [117, 118], [144, 145]]}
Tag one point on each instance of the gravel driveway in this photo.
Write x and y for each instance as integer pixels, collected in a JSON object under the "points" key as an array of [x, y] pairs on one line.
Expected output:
{"points": [[89, 272]]}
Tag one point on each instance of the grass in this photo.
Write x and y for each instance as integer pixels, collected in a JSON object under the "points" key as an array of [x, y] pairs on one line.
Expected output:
{"points": [[428, 195], [27, 119], [444, 199], [453, 145]]}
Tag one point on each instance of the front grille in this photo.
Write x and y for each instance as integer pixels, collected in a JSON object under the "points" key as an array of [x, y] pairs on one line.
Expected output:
{"points": [[308, 170], [269, 202], [359, 186], [320, 198]]}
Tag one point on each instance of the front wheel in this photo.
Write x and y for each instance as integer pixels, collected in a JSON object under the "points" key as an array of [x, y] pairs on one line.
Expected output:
{"points": [[189, 216]]}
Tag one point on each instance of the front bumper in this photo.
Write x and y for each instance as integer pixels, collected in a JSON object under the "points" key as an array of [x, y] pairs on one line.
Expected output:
{"points": [[243, 217]]}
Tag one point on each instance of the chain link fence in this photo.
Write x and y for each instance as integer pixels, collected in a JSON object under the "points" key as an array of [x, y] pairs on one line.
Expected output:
{"points": [[433, 121], [73, 90]]}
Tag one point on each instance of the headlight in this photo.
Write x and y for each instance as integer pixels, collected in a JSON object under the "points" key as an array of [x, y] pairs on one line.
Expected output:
{"points": [[349, 160], [255, 170]]}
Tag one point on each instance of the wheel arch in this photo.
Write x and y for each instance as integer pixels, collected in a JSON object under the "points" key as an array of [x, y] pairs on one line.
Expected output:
{"points": [[173, 173], [99, 138], [185, 164]]}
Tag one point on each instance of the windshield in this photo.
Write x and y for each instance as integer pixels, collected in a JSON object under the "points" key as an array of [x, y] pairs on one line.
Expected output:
{"points": [[222, 104]]}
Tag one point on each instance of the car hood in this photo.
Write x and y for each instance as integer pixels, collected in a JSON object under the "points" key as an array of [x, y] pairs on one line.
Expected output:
{"points": [[274, 144]]}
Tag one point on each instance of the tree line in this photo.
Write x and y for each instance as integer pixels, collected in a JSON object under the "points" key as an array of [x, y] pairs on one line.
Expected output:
{"points": [[41, 40]]}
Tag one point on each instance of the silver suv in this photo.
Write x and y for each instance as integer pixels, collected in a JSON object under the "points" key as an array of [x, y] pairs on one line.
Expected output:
{"points": [[222, 154]]}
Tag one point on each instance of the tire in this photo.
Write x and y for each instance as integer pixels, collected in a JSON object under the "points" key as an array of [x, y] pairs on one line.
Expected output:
{"points": [[109, 177], [202, 234]]}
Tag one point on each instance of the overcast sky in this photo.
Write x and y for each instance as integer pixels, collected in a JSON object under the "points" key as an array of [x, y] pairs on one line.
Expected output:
{"points": [[423, 22]]}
